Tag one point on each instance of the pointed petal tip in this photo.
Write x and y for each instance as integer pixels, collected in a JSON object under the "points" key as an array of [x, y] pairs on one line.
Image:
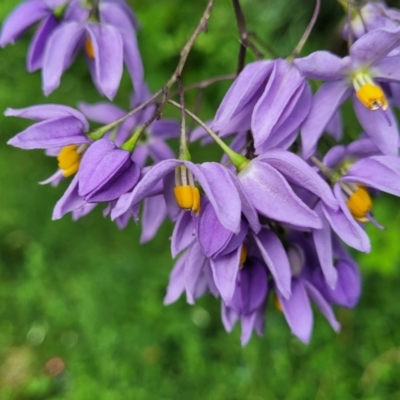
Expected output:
{"points": [[303, 337], [332, 280]]}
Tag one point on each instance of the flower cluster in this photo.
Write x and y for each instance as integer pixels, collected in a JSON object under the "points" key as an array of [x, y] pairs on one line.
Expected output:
{"points": [[272, 220]]}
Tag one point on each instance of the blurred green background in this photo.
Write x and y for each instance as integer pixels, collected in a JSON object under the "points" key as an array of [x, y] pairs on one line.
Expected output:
{"points": [[86, 299]]}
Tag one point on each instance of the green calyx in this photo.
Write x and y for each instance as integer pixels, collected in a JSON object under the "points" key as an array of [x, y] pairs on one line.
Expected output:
{"points": [[59, 11], [130, 144]]}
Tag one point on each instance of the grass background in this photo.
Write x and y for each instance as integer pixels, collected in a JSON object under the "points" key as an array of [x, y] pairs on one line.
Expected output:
{"points": [[90, 294]]}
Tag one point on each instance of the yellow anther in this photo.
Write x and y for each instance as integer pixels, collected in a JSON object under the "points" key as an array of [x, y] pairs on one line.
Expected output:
{"points": [[360, 204], [243, 255], [89, 49], [188, 198], [187, 195], [278, 304], [372, 97], [68, 160]]}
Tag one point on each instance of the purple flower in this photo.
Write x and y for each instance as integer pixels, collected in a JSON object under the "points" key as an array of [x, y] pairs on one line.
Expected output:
{"points": [[49, 12], [271, 98], [354, 76], [350, 187], [219, 184], [107, 43]]}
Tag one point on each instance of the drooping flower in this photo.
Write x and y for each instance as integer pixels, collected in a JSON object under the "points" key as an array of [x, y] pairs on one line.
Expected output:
{"points": [[106, 35], [218, 183], [351, 183], [357, 75], [51, 13], [271, 98]]}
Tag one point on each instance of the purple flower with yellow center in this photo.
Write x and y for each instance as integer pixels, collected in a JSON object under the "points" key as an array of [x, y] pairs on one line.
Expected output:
{"points": [[180, 191], [61, 131], [351, 179], [50, 13], [357, 75], [271, 98], [58, 126], [106, 35]]}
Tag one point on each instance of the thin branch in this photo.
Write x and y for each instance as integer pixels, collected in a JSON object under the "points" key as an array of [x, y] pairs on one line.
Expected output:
{"points": [[197, 106], [350, 30], [297, 50], [182, 142], [244, 37], [206, 83], [165, 90], [237, 159], [266, 46]]}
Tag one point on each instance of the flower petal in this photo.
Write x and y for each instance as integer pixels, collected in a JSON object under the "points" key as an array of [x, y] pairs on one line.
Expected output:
{"points": [[20, 19], [108, 57], [274, 255], [69, 201], [377, 127], [272, 196], [183, 233], [154, 214], [323, 305], [300, 173], [52, 133], [43, 112], [323, 246], [39, 41], [176, 285], [283, 87], [323, 65], [234, 113], [297, 311], [346, 227], [60, 52], [103, 112], [375, 45], [225, 269], [195, 262], [376, 172], [326, 102]]}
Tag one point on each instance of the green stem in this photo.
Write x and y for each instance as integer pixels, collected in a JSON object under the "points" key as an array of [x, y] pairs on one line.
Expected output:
{"points": [[237, 159]]}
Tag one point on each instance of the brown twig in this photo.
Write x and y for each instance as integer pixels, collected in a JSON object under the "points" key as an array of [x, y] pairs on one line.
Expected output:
{"points": [[297, 50], [165, 90], [182, 142], [196, 110], [245, 41]]}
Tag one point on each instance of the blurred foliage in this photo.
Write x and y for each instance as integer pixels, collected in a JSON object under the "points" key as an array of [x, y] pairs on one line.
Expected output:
{"points": [[81, 313]]}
